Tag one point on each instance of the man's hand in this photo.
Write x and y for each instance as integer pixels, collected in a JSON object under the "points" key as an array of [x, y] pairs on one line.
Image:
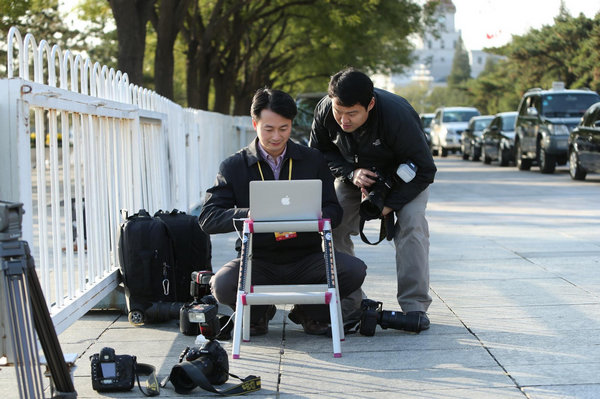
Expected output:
{"points": [[364, 178]]}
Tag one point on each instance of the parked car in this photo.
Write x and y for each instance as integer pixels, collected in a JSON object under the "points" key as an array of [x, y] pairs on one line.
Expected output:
{"points": [[426, 125], [498, 139], [306, 103], [470, 141], [447, 127], [584, 145], [545, 120]]}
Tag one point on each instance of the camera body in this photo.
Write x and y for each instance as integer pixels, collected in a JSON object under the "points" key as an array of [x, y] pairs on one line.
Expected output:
{"points": [[112, 372], [373, 314], [202, 312], [210, 359], [372, 205], [11, 218]]}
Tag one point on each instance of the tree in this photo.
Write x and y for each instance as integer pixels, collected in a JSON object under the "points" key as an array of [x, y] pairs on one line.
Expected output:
{"points": [[167, 23], [461, 68], [131, 17], [41, 18], [236, 46]]}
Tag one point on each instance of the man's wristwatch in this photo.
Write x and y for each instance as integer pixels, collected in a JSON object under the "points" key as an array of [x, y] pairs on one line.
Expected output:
{"points": [[349, 176]]}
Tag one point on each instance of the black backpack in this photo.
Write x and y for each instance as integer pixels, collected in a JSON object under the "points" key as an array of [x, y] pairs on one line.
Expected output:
{"points": [[193, 250], [157, 256]]}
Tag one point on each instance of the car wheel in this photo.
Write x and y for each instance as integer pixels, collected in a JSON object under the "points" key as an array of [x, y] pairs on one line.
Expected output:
{"points": [[465, 155], [546, 162], [503, 156], [434, 151], [522, 163], [444, 152], [575, 169]]}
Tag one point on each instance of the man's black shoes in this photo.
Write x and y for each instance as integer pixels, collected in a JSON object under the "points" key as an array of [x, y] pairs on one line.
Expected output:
{"points": [[261, 327], [424, 320]]}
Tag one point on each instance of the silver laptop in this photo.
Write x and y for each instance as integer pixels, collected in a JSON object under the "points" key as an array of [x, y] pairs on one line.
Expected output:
{"points": [[278, 200]]}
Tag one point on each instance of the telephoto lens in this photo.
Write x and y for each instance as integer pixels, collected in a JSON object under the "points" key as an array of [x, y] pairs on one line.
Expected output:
{"points": [[400, 321]]}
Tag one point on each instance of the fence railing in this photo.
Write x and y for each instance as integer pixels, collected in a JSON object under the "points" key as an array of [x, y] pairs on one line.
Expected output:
{"points": [[78, 144]]}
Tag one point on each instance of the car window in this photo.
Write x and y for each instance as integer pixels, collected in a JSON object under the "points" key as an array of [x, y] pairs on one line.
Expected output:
{"points": [[426, 121], [508, 122], [459, 116], [565, 105], [481, 124]]}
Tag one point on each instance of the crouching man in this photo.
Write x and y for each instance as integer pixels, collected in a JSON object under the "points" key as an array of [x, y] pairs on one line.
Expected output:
{"points": [[277, 259]]}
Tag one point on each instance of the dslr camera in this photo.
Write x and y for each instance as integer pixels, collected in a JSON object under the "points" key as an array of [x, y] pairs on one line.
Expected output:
{"points": [[112, 372], [210, 359], [372, 205], [201, 314], [373, 314]]}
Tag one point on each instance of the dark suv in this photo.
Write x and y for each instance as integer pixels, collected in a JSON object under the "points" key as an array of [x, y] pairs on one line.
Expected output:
{"points": [[545, 118]]}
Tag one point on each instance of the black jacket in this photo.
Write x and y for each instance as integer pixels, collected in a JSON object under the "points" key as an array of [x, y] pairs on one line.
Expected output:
{"points": [[228, 199], [391, 136]]}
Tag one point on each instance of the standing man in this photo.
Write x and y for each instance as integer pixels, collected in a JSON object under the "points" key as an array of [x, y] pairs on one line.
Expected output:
{"points": [[358, 129], [291, 258]]}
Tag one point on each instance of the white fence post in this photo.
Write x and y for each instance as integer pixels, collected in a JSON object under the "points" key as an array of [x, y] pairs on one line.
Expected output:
{"points": [[101, 145]]}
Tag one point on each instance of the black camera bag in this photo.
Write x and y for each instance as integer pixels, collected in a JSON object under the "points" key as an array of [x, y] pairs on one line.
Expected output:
{"points": [[147, 263], [192, 248], [157, 255]]}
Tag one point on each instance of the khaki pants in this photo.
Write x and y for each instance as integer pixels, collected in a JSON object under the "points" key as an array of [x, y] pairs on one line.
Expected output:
{"points": [[411, 239]]}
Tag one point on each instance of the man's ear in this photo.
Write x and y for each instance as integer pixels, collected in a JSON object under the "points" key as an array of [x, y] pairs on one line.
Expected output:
{"points": [[254, 123], [371, 104]]}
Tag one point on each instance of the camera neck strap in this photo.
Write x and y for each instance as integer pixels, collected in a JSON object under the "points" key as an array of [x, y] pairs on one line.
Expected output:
{"points": [[195, 374], [152, 386], [386, 229]]}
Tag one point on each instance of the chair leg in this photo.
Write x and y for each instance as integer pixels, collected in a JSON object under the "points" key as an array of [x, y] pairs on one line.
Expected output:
{"points": [[334, 306], [246, 323], [237, 326]]}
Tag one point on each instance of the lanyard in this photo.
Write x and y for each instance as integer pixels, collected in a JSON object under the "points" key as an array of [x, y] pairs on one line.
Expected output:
{"points": [[263, 177]]}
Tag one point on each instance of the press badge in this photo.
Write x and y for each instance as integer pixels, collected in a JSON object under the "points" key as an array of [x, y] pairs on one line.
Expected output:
{"points": [[285, 235]]}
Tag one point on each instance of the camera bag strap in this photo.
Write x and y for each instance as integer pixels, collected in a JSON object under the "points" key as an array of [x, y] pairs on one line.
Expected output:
{"points": [[249, 384], [386, 229], [152, 386]]}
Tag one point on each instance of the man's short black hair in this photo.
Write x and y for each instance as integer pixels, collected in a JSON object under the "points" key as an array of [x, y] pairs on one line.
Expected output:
{"points": [[351, 87], [275, 100]]}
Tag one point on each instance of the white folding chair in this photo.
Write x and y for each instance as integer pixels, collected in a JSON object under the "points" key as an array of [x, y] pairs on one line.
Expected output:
{"points": [[249, 294]]}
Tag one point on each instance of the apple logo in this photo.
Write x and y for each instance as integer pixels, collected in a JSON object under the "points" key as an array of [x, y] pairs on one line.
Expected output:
{"points": [[285, 200]]}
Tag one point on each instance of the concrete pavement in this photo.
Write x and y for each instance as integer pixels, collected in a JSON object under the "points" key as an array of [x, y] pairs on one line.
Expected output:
{"points": [[515, 280]]}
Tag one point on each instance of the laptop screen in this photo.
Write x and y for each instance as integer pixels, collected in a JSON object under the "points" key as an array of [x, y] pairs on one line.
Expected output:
{"points": [[275, 200]]}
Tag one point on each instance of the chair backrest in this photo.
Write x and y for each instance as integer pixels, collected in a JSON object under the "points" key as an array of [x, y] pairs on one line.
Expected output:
{"points": [[281, 200]]}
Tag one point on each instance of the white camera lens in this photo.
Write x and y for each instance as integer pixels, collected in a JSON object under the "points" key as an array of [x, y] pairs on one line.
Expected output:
{"points": [[407, 171]]}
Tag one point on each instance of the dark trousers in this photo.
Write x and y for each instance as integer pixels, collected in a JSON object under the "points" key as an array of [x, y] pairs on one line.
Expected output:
{"points": [[308, 270]]}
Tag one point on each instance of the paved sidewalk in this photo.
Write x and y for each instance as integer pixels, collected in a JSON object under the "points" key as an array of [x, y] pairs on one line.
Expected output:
{"points": [[515, 259]]}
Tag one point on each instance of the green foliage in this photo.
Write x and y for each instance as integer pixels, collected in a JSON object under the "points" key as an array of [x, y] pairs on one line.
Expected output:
{"points": [[461, 69], [38, 17], [99, 35]]}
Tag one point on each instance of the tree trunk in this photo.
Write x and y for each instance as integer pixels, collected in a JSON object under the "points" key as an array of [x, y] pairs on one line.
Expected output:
{"points": [[170, 21], [131, 17]]}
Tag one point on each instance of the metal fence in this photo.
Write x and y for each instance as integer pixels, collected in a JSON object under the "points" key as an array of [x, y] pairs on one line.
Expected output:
{"points": [[79, 144]]}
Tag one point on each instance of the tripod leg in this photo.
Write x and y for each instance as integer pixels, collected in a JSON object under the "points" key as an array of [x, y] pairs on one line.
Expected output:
{"points": [[27, 366], [46, 332]]}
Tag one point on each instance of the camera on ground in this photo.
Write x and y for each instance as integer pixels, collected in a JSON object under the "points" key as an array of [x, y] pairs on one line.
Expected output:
{"points": [[112, 373], [201, 315], [210, 360], [373, 314]]}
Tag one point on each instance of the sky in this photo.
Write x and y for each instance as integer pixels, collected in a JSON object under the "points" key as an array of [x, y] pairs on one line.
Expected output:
{"points": [[490, 23]]}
